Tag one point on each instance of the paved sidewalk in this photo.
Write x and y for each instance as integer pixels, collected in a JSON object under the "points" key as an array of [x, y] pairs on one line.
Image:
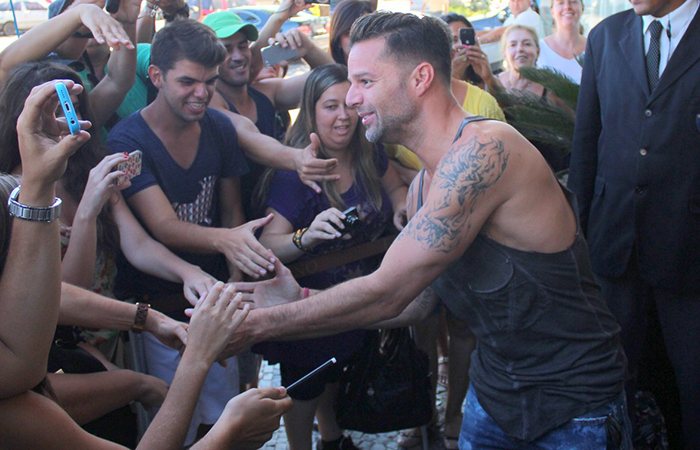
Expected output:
{"points": [[270, 376]]}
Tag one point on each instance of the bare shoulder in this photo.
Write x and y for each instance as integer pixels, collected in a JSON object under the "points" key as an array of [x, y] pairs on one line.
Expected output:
{"points": [[465, 188]]}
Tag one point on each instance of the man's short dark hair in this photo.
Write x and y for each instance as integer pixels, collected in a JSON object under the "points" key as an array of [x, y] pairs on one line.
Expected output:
{"points": [[409, 38], [188, 40]]}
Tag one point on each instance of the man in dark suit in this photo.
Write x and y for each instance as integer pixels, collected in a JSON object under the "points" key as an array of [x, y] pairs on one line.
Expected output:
{"points": [[635, 168]]}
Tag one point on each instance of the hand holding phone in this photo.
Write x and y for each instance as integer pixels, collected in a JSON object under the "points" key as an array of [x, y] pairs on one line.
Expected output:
{"points": [[467, 36], [68, 110], [311, 374], [131, 167], [275, 54]]}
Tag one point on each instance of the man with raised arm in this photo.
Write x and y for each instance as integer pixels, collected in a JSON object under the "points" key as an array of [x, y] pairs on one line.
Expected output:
{"points": [[497, 237]]}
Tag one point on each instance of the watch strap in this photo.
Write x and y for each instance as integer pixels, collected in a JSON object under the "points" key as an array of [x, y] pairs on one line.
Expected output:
{"points": [[141, 316], [32, 213]]}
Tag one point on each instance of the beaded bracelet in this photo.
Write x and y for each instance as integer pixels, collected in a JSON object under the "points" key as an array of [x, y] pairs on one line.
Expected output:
{"points": [[296, 239]]}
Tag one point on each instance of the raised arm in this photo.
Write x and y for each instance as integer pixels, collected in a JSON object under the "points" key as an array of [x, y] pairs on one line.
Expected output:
{"points": [[286, 10], [121, 67], [285, 93], [78, 265], [213, 321], [41, 40], [31, 277]]}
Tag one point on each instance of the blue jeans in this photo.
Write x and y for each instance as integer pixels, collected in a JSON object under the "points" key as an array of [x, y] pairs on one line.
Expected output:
{"points": [[587, 432]]}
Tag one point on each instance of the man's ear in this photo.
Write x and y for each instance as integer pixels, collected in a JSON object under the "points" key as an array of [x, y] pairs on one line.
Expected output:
{"points": [[422, 77], [156, 76]]}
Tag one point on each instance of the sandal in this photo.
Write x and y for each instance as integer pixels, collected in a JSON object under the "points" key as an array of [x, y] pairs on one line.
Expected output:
{"points": [[409, 438], [443, 371]]}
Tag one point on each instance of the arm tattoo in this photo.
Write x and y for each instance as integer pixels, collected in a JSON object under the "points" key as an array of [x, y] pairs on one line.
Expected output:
{"points": [[426, 299], [466, 172]]}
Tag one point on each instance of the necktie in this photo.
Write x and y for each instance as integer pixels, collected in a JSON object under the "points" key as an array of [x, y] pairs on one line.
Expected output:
{"points": [[654, 54]]}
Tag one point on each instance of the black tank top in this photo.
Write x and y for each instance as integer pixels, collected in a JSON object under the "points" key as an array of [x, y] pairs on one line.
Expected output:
{"points": [[267, 124], [548, 347]]}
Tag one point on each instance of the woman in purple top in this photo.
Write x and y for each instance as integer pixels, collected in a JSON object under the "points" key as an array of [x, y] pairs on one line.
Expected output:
{"points": [[307, 224]]}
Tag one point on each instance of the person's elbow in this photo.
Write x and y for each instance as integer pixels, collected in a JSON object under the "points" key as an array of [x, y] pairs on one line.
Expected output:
{"points": [[20, 376]]}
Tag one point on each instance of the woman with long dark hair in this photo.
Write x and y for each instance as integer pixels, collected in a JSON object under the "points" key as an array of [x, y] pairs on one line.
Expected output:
{"points": [[344, 16], [308, 224]]}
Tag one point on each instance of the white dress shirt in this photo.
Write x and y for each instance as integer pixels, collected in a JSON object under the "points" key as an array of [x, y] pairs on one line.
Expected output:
{"points": [[675, 24]]}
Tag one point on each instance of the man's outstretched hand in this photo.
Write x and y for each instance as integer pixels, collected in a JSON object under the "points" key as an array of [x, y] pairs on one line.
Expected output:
{"points": [[281, 289]]}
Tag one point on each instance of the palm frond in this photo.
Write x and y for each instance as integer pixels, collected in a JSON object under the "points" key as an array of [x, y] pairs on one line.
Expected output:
{"points": [[558, 83]]}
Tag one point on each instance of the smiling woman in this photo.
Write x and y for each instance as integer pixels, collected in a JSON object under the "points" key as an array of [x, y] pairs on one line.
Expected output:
{"points": [[307, 224], [520, 49], [561, 50]]}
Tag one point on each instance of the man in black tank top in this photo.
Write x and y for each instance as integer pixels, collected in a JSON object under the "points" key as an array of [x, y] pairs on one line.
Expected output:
{"points": [[495, 235], [258, 101]]}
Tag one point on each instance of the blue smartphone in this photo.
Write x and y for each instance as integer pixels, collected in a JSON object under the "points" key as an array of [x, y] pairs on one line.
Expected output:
{"points": [[68, 110]]}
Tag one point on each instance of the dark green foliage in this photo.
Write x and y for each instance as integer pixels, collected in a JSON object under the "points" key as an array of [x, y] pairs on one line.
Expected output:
{"points": [[543, 123]]}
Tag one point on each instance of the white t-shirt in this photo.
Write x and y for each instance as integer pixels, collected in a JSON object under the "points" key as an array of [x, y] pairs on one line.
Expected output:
{"points": [[528, 18], [551, 59]]}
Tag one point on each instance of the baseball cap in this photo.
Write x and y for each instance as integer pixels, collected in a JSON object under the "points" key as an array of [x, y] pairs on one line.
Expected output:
{"points": [[227, 23]]}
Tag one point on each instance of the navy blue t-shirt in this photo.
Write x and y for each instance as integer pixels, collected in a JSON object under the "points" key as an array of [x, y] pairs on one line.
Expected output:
{"points": [[192, 192]]}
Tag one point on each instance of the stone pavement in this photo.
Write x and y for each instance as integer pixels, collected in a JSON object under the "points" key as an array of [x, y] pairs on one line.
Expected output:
{"points": [[270, 376]]}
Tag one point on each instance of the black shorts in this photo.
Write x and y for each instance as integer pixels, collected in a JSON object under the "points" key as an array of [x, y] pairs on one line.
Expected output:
{"points": [[312, 388]]}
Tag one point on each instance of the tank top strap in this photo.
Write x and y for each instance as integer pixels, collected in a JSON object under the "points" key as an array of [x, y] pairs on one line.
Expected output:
{"points": [[421, 180], [467, 121]]}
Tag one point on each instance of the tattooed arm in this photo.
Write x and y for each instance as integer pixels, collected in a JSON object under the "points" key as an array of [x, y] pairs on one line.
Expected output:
{"points": [[469, 184]]}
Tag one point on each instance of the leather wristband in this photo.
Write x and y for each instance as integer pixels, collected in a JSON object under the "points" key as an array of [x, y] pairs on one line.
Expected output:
{"points": [[141, 316], [32, 213]]}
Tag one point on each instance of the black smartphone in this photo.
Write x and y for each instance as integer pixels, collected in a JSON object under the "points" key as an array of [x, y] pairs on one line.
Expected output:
{"points": [[275, 54], [311, 374], [467, 36], [112, 6]]}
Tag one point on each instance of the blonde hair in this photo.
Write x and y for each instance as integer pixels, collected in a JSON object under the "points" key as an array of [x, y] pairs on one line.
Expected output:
{"points": [[515, 27]]}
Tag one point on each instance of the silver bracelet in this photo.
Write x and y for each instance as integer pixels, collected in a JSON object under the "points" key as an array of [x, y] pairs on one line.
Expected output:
{"points": [[33, 213]]}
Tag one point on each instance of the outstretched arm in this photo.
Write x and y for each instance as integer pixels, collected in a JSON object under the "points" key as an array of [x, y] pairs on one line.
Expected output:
{"points": [[269, 152], [121, 67], [41, 40], [465, 190]]}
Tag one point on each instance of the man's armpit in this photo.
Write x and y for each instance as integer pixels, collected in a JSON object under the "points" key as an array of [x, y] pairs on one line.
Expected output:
{"points": [[465, 174]]}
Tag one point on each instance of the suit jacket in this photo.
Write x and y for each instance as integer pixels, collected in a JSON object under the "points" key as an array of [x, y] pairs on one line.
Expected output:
{"points": [[635, 163]]}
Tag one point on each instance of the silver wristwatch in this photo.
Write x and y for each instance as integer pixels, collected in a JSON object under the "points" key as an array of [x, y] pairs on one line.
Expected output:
{"points": [[33, 213]]}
